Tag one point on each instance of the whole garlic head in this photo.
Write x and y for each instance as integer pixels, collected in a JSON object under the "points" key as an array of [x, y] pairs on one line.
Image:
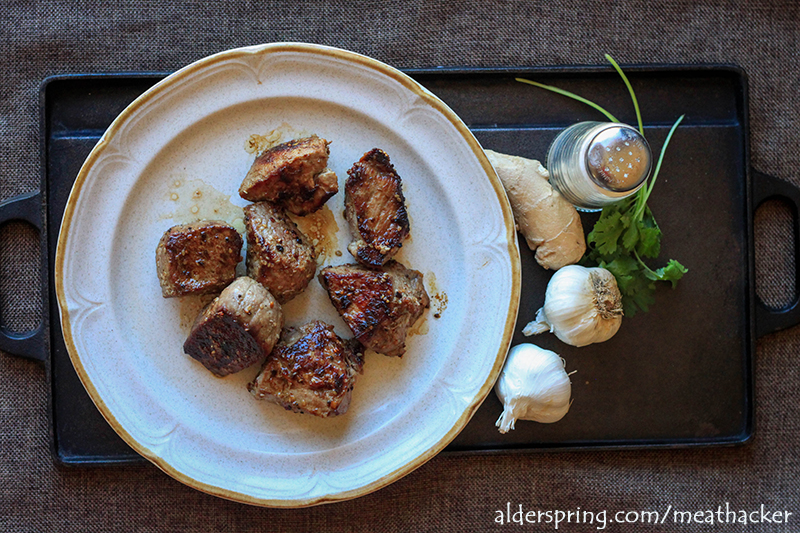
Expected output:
{"points": [[532, 386], [581, 306]]}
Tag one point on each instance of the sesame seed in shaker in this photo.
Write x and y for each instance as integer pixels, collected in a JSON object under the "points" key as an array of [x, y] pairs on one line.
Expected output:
{"points": [[593, 164]]}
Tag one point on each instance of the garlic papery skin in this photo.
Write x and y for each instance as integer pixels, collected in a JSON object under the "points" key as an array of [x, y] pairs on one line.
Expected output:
{"points": [[581, 306], [532, 386]]}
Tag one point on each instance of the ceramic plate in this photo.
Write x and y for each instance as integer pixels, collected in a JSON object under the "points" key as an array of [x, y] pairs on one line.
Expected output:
{"points": [[179, 153]]}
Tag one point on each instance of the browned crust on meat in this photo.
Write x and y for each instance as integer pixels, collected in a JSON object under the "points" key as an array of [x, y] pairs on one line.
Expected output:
{"points": [[375, 208], [311, 370], [379, 306], [197, 258], [362, 297], [222, 344], [279, 255], [293, 174]]}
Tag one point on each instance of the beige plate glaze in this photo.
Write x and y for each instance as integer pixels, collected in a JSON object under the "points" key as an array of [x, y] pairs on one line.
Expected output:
{"points": [[125, 340]]}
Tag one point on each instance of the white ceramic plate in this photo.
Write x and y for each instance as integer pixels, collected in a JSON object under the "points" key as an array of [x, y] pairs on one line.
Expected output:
{"points": [[126, 341]]}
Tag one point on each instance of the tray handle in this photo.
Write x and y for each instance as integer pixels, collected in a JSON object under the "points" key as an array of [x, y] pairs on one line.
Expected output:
{"points": [[766, 187], [29, 344]]}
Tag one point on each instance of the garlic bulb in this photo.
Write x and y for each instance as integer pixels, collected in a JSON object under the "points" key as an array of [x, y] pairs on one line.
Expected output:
{"points": [[581, 306], [532, 386]]}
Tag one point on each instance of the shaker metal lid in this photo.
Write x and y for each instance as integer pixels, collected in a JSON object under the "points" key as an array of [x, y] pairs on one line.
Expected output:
{"points": [[619, 158]]}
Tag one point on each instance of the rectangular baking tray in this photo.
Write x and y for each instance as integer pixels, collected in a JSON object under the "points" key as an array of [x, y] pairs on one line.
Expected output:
{"points": [[679, 375]]}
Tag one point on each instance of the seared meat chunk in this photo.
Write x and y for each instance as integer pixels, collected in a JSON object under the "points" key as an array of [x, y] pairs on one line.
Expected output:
{"points": [[279, 255], [375, 208], [197, 258], [293, 174], [237, 329], [379, 306], [311, 370]]}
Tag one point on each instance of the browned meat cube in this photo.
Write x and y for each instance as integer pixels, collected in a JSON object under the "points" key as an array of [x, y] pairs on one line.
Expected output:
{"points": [[198, 258], [311, 370], [375, 208], [279, 255], [293, 174], [379, 306], [237, 329]]}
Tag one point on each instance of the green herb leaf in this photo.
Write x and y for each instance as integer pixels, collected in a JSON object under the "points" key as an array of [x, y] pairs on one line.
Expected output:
{"points": [[631, 237], [638, 292], [672, 272], [649, 244], [607, 231]]}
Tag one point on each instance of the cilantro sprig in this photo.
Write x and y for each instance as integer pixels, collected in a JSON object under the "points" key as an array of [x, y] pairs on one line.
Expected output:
{"points": [[627, 232]]}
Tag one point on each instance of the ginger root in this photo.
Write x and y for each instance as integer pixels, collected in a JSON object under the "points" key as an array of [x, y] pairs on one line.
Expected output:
{"points": [[550, 224]]}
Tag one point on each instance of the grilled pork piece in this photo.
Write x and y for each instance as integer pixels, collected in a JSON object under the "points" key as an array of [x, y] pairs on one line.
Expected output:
{"points": [[197, 258], [279, 255], [311, 370], [375, 208], [237, 329], [293, 174], [379, 306]]}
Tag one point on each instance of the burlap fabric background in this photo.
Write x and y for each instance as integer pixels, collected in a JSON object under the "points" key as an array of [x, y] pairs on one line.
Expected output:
{"points": [[450, 493]]}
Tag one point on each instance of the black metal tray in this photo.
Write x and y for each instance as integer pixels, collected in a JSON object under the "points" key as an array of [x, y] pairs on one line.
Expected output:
{"points": [[678, 375]]}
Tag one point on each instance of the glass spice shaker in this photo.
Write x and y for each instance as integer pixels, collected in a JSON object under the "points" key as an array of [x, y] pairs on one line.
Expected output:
{"points": [[593, 164]]}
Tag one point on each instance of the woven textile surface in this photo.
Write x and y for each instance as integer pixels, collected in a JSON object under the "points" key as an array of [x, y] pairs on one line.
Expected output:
{"points": [[449, 493]]}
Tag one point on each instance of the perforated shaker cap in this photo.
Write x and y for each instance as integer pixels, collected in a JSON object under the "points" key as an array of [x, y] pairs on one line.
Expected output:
{"points": [[619, 158]]}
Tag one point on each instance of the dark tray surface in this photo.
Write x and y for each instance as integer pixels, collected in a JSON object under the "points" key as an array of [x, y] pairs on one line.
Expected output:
{"points": [[678, 375]]}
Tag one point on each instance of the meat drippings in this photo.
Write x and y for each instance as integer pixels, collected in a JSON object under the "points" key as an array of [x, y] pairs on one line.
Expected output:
{"points": [[255, 144], [194, 199], [258, 143], [322, 229], [420, 327], [438, 297]]}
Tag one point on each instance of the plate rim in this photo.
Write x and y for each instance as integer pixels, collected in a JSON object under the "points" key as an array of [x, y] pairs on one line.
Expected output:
{"points": [[431, 100]]}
